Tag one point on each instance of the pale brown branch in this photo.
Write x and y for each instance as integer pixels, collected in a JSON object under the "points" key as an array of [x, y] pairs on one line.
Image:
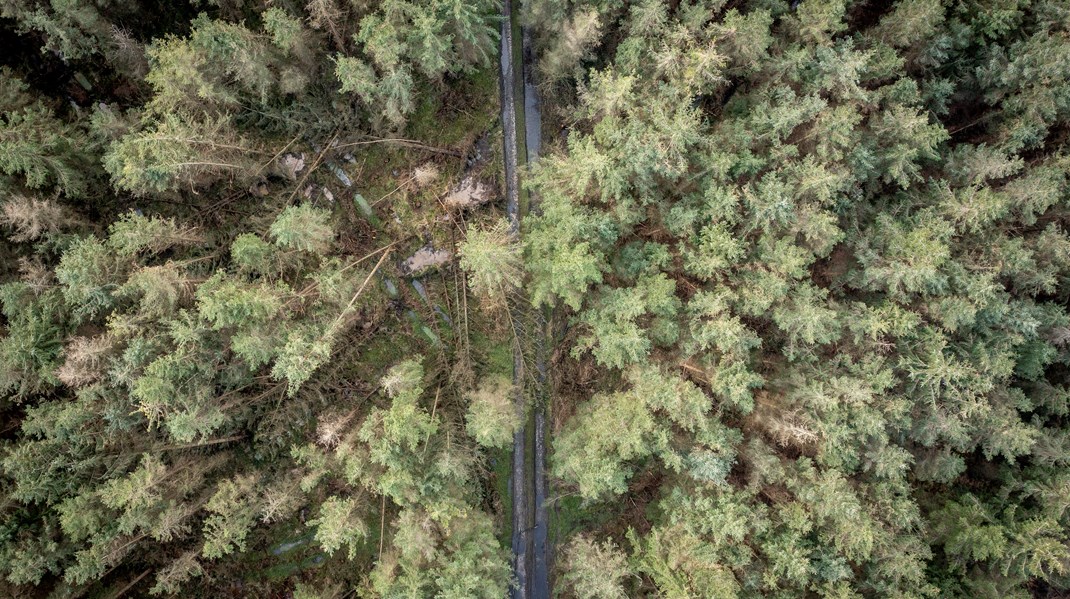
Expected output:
{"points": [[312, 286], [219, 164], [345, 312], [203, 444], [315, 164], [194, 141], [279, 153], [434, 409], [129, 586], [392, 192], [401, 142], [382, 527]]}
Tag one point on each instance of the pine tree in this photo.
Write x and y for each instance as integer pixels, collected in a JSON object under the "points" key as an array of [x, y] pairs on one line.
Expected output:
{"points": [[340, 524], [233, 510], [303, 228], [491, 416], [179, 151], [492, 259], [35, 146], [594, 569]]}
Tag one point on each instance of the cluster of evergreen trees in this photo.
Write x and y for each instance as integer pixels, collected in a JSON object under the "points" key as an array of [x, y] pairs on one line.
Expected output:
{"points": [[817, 253], [205, 368]]}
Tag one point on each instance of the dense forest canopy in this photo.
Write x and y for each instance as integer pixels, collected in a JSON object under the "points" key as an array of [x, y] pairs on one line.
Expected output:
{"points": [[824, 246], [265, 321]]}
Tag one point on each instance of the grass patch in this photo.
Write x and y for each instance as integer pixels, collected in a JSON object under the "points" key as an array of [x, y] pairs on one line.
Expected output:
{"points": [[501, 463], [456, 116], [568, 514], [382, 353]]}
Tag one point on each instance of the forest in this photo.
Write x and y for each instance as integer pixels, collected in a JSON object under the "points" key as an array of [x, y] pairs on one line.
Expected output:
{"points": [[473, 299]]}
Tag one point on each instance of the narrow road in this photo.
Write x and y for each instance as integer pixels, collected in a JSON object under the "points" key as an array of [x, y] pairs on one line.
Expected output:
{"points": [[540, 584], [531, 549]]}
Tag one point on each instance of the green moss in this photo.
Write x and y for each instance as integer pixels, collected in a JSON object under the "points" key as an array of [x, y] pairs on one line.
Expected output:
{"points": [[454, 118], [501, 462], [494, 355], [568, 515], [382, 353]]}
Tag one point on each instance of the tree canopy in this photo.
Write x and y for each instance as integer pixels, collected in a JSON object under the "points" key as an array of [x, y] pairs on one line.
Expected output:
{"points": [[785, 298]]}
